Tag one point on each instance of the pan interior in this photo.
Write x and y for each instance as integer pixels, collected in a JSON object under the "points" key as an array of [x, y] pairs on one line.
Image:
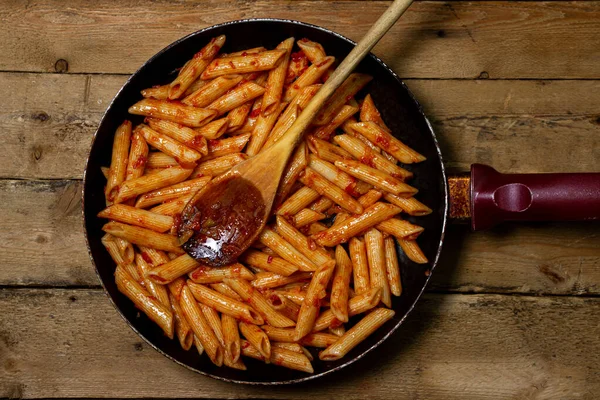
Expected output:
{"points": [[400, 111]]}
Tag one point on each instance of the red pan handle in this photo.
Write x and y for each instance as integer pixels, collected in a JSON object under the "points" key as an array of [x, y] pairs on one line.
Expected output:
{"points": [[497, 197]]}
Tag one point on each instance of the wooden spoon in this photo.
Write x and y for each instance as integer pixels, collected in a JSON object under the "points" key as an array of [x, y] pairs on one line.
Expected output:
{"points": [[223, 219]]}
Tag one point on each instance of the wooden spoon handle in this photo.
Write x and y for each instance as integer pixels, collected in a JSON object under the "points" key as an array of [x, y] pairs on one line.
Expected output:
{"points": [[381, 26]]}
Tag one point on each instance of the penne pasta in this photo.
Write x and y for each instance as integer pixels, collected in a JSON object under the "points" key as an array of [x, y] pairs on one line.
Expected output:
{"points": [[212, 90], [158, 160], [154, 309], [219, 165], [337, 330], [203, 274], [325, 188], [160, 292], [184, 155], [214, 321], [126, 250], [341, 284], [231, 335], [357, 334], [411, 206], [413, 251], [135, 216], [267, 262], [336, 176], [306, 216], [171, 192], [387, 142], [173, 111], [276, 79], [312, 301], [291, 359], [218, 148], [321, 205], [324, 132], [358, 304], [262, 128], [262, 61], [400, 228], [202, 330], [292, 172], [257, 338], [352, 85], [194, 67], [134, 187], [360, 265], [298, 64], [354, 225], [304, 245], [143, 237], [235, 97], [169, 271], [269, 280], [370, 113], [377, 268], [259, 303], [182, 134], [285, 250], [376, 178], [250, 122], [237, 117], [309, 77], [183, 330], [138, 157], [284, 305], [313, 50], [118, 164], [158, 92], [214, 129], [392, 267], [224, 304], [173, 206], [226, 290]]}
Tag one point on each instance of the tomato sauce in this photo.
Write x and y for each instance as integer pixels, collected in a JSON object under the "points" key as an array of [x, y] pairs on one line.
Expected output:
{"points": [[222, 221]]}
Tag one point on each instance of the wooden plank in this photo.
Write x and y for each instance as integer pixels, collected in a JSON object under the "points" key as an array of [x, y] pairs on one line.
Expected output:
{"points": [[47, 122], [500, 39], [70, 343], [41, 228]]}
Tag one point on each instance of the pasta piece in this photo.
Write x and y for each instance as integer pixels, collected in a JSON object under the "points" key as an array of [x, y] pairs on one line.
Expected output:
{"points": [[193, 68], [157, 92], [331, 172], [203, 274], [285, 250], [110, 243], [158, 160], [118, 164], [259, 303], [172, 192], [360, 265], [269, 280], [264, 261], [143, 237], [173, 206], [400, 228], [263, 61], [292, 172], [313, 50], [173, 269], [294, 295], [135, 216], [354, 225], [341, 285], [172, 111], [291, 359], [215, 129], [236, 97], [327, 151], [231, 335], [315, 228], [202, 330], [213, 319], [198, 345], [377, 268], [158, 291], [276, 80], [257, 338], [253, 50], [154, 309], [387, 142], [212, 90], [219, 165], [237, 117], [251, 119], [175, 287], [352, 85], [312, 302], [324, 132], [226, 290], [218, 148], [410, 206], [138, 156], [325, 188], [359, 332], [134, 187], [318, 339], [197, 84], [337, 331], [262, 128], [376, 178], [413, 251], [186, 136], [309, 77], [224, 304], [183, 330], [126, 250], [298, 64], [359, 304], [284, 305], [182, 154], [304, 245], [391, 266], [321, 205], [365, 155], [307, 216], [370, 113]]}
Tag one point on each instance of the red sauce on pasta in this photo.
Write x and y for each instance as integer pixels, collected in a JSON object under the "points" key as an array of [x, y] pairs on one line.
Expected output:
{"points": [[219, 225]]}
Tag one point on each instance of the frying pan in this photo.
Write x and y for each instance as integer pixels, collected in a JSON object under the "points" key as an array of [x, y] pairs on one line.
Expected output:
{"points": [[486, 196]]}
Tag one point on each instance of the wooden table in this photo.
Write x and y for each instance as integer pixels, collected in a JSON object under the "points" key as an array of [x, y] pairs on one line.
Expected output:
{"points": [[512, 313]]}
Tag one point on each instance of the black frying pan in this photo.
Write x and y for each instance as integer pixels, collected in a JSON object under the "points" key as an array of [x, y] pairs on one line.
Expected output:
{"points": [[399, 109]]}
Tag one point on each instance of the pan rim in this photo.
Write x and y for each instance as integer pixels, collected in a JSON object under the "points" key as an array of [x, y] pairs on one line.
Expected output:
{"points": [[433, 264]]}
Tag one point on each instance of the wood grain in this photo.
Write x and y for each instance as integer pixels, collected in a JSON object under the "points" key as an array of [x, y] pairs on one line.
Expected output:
{"points": [[48, 120], [44, 245], [70, 343], [433, 40]]}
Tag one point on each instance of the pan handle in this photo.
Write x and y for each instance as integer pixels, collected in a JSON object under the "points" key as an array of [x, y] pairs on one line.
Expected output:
{"points": [[497, 197]]}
